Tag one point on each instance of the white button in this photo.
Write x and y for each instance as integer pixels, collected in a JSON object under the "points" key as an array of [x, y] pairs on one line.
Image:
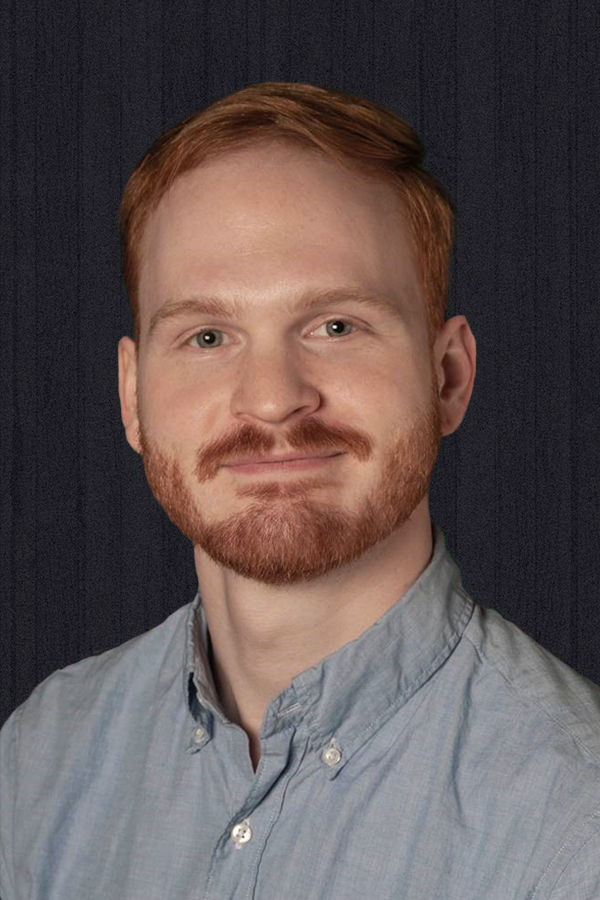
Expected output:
{"points": [[241, 834], [331, 755], [198, 735]]}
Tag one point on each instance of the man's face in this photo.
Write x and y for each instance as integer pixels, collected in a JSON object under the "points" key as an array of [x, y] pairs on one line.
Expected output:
{"points": [[263, 226]]}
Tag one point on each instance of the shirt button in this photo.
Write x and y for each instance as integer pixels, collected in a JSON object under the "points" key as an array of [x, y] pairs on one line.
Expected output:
{"points": [[331, 755], [198, 735], [241, 834]]}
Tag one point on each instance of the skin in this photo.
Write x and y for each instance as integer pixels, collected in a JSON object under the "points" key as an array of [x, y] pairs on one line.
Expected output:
{"points": [[290, 567]]}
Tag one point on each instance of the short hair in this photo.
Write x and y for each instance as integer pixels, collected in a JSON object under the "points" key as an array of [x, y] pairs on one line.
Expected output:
{"points": [[360, 135]]}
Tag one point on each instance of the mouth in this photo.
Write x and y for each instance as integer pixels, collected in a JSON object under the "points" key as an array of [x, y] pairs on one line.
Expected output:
{"points": [[281, 466]]}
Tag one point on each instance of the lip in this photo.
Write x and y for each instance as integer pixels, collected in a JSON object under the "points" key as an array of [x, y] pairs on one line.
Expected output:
{"points": [[262, 460], [287, 464]]}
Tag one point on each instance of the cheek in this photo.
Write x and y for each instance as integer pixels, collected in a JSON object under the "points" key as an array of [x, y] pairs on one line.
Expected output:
{"points": [[359, 386], [376, 388], [165, 415], [168, 396]]}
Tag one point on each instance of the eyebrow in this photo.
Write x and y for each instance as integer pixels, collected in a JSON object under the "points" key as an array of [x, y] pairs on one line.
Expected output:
{"points": [[209, 305]]}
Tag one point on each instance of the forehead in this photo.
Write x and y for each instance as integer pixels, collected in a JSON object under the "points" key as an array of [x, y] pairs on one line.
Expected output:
{"points": [[274, 219]]}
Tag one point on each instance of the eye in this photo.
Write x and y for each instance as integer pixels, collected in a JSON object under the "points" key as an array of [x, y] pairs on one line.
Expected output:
{"points": [[212, 331], [337, 322], [201, 333]]}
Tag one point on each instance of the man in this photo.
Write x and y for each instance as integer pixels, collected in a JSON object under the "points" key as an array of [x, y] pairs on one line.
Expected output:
{"points": [[333, 716]]}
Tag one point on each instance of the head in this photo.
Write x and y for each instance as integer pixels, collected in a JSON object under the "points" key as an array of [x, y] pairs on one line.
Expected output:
{"points": [[277, 193]]}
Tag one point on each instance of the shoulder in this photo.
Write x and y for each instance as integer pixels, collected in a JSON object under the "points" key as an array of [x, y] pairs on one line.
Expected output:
{"points": [[538, 680], [541, 685], [54, 742], [107, 681]]}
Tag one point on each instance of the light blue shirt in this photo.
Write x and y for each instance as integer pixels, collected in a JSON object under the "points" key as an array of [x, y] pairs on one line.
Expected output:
{"points": [[442, 755]]}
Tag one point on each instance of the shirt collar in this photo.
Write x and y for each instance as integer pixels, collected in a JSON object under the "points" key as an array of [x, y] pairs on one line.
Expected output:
{"points": [[352, 692]]}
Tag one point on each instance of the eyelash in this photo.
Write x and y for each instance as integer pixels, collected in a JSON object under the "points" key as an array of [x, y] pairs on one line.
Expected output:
{"points": [[186, 342]]}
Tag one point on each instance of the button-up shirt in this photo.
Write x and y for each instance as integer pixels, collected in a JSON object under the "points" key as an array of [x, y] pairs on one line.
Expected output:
{"points": [[441, 755]]}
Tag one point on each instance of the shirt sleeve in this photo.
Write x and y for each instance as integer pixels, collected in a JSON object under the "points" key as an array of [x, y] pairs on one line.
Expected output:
{"points": [[581, 878], [8, 792]]}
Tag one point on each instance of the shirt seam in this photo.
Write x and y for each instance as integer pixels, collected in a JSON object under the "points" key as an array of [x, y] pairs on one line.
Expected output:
{"points": [[571, 860], [572, 833], [571, 734]]}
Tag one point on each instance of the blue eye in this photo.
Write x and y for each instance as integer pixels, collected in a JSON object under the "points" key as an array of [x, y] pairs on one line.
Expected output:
{"points": [[205, 331]]}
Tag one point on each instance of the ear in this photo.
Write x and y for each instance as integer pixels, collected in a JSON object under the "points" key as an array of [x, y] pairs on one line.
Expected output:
{"points": [[128, 391], [455, 354]]}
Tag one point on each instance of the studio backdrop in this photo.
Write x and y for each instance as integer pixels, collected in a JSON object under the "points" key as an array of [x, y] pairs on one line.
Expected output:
{"points": [[505, 96]]}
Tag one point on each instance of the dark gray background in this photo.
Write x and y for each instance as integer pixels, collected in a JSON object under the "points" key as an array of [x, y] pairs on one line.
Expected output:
{"points": [[505, 97]]}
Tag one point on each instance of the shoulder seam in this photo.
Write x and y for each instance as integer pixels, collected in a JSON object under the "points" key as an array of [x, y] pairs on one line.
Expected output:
{"points": [[515, 691], [571, 860]]}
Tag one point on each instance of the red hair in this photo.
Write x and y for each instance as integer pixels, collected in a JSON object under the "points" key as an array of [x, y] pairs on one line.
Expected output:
{"points": [[360, 135]]}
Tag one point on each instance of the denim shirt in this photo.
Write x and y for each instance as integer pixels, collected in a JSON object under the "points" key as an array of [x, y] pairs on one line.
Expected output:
{"points": [[442, 755]]}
